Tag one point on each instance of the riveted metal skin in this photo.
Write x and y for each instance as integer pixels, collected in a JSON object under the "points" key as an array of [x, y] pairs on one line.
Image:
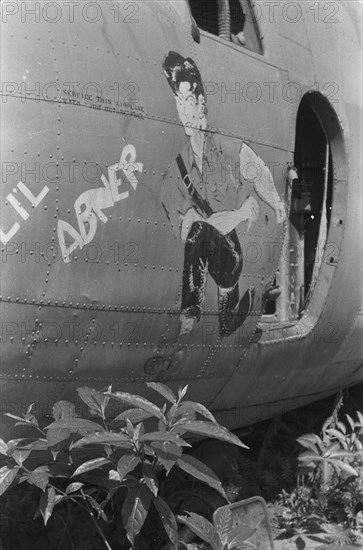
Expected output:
{"points": [[91, 281]]}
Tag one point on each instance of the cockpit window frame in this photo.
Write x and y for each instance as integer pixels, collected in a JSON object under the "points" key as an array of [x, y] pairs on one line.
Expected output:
{"points": [[251, 41]]}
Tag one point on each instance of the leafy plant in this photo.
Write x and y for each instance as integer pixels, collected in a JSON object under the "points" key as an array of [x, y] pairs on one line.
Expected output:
{"points": [[296, 515], [327, 503], [220, 535], [273, 455], [334, 450], [88, 461]]}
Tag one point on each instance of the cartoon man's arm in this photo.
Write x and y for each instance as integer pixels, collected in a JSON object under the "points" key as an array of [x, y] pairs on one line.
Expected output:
{"points": [[252, 168], [224, 221], [227, 220]]}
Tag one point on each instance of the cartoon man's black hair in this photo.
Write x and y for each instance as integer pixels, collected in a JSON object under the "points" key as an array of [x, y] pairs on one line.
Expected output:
{"points": [[179, 69]]}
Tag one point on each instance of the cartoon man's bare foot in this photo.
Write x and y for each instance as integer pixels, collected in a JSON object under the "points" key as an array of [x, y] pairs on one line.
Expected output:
{"points": [[178, 353], [245, 307], [169, 359], [155, 365]]}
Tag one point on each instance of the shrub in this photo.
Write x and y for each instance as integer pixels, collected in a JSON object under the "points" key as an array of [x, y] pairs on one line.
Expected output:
{"points": [[88, 462], [327, 503]]}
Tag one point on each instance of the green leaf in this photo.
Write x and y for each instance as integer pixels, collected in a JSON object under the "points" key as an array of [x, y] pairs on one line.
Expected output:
{"points": [[114, 475], [13, 444], [126, 464], [321, 444], [168, 520], [104, 438], [351, 421], [137, 401], [190, 406], [310, 441], [76, 425], [34, 445], [163, 390], [96, 400], [129, 429], [150, 478], [332, 449], [342, 427], [223, 521], [20, 456], [339, 465], [73, 487], [31, 419], [309, 456], [3, 447], [39, 477], [24, 423], [16, 417], [339, 453], [202, 528], [29, 409], [90, 465], [148, 450], [7, 476], [165, 436], [135, 509], [239, 535], [64, 410], [182, 392], [333, 433], [168, 453], [162, 426], [47, 502], [139, 433], [55, 436], [201, 471], [172, 415], [133, 415], [211, 430]]}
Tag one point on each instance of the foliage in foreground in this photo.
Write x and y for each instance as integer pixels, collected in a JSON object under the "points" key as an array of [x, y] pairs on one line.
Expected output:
{"points": [[87, 462], [327, 504], [222, 534]]}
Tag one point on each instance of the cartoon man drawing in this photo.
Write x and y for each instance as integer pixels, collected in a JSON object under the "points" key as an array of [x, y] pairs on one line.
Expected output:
{"points": [[211, 187]]}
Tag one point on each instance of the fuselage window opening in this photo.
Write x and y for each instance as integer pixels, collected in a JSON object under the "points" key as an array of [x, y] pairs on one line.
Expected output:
{"points": [[233, 20], [311, 199], [310, 205]]}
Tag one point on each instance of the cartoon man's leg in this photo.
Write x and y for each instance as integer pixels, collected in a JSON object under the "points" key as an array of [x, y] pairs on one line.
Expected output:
{"points": [[227, 301], [226, 269], [196, 254], [207, 250], [230, 316]]}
